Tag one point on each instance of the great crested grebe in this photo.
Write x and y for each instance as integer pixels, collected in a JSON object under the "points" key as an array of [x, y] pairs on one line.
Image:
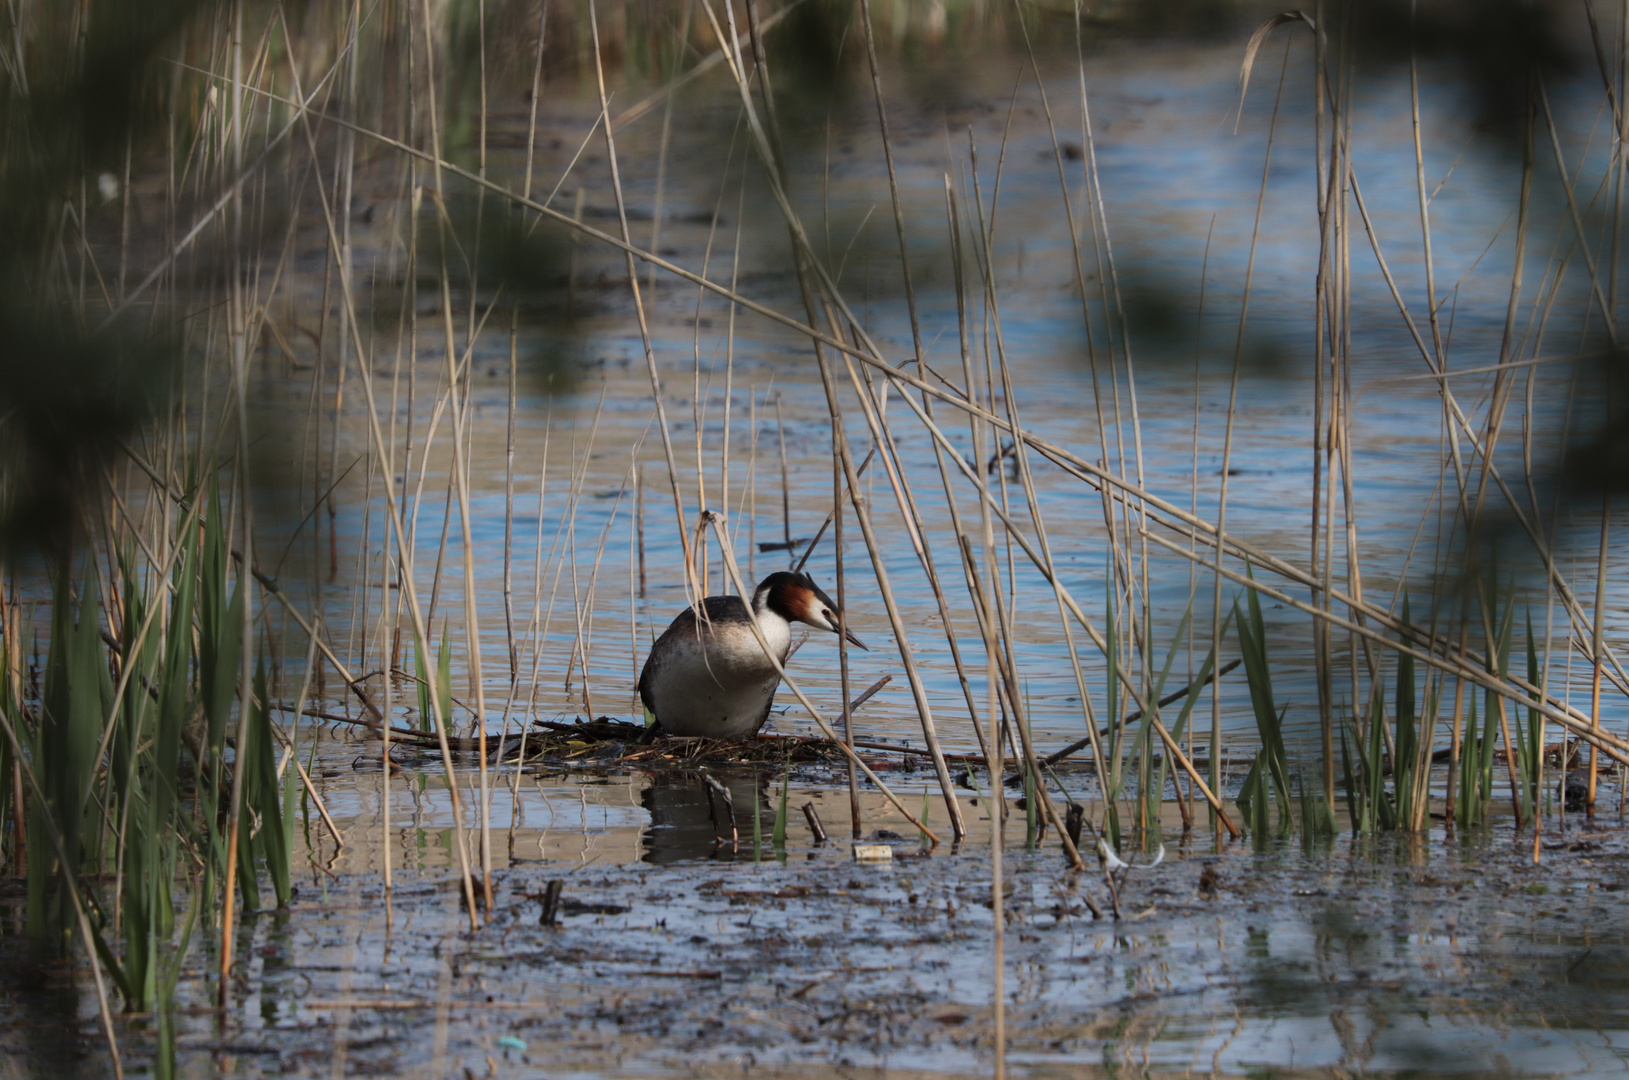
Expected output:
{"points": [[709, 676]]}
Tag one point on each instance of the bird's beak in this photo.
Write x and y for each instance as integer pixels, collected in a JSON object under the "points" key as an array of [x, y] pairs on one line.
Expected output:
{"points": [[854, 640]]}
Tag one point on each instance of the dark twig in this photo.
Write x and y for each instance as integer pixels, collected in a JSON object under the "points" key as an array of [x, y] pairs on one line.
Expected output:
{"points": [[815, 826], [551, 903]]}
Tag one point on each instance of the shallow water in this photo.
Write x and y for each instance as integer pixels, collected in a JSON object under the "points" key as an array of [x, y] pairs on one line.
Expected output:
{"points": [[689, 942], [682, 951]]}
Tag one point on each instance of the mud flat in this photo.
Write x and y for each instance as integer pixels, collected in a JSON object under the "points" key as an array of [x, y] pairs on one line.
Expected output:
{"points": [[677, 950]]}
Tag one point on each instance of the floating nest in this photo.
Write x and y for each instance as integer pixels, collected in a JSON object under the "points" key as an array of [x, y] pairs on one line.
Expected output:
{"points": [[608, 743]]}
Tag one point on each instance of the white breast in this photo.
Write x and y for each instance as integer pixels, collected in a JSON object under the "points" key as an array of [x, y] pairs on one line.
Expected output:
{"points": [[717, 682]]}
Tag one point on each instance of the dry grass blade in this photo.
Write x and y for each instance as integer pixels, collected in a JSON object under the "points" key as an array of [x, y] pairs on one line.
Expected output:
{"points": [[692, 585], [404, 547], [1254, 45]]}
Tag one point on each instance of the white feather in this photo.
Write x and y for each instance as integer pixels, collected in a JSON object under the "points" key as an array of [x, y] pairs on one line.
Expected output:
{"points": [[718, 682]]}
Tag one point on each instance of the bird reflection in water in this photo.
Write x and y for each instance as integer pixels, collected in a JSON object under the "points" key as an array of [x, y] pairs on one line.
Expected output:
{"points": [[698, 815]]}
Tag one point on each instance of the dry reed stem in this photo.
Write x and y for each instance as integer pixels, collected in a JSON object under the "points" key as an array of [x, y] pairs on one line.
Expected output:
{"points": [[1467, 658], [531, 632], [976, 433], [1574, 608], [1458, 417], [1595, 649], [1013, 531], [514, 329], [227, 196], [840, 496], [240, 384], [472, 627], [1233, 394], [729, 335], [839, 567], [992, 318], [807, 261], [1027, 482], [569, 528], [292, 756], [950, 498], [701, 67], [692, 588], [986, 245], [404, 552], [1320, 645], [997, 799], [893, 180], [661, 155], [698, 410], [585, 618], [1108, 284], [908, 510]]}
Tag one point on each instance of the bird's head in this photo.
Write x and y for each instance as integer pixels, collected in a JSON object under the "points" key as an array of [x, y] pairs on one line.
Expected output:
{"points": [[796, 598]]}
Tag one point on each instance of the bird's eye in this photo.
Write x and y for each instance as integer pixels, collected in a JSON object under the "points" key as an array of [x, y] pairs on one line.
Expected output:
{"points": [[830, 618]]}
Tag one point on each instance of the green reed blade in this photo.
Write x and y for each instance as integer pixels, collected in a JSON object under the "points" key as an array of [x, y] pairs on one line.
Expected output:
{"points": [[220, 652], [175, 691], [257, 768], [220, 638], [1111, 637], [1029, 807], [444, 675], [1406, 738], [1252, 647], [114, 968], [1382, 808], [7, 813], [78, 695], [128, 733], [1490, 738], [1465, 801], [426, 717], [164, 1007], [778, 835], [1154, 790]]}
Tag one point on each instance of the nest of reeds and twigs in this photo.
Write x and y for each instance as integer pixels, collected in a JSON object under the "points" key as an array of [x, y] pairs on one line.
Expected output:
{"points": [[609, 743]]}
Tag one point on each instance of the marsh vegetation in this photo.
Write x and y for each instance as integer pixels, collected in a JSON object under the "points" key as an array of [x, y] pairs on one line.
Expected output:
{"points": [[1212, 420]]}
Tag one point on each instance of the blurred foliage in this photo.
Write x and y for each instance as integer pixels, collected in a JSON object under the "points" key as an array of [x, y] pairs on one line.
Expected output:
{"points": [[67, 400], [1598, 460], [87, 88], [75, 100], [1496, 46]]}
